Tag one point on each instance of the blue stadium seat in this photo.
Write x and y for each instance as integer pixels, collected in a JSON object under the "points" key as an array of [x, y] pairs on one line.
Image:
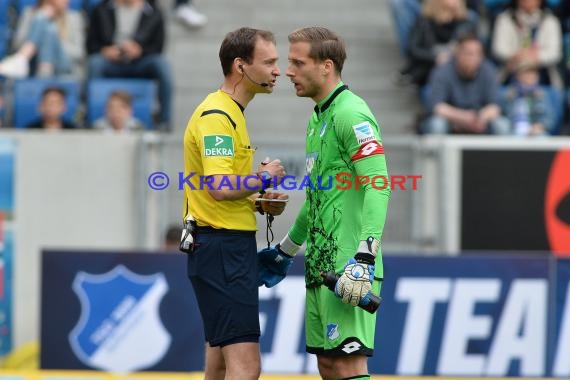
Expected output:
{"points": [[28, 93], [90, 4], [21, 4], [143, 92], [4, 5], [4, 39]]}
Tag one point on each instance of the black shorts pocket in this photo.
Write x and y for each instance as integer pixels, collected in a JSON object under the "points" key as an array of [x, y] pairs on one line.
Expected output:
{"points": [[237, 254], [198, 259]]}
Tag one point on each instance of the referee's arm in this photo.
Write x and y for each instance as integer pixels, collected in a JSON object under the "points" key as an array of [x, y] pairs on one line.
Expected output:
{"points": [[226, 187], [231, 187]]}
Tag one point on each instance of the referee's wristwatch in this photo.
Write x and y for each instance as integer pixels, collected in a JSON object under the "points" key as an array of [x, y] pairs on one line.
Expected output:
{"points": [[265, 178]]}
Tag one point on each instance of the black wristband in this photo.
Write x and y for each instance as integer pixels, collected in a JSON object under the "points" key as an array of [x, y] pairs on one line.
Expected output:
{"points": [[265, 178], [259, 206], [365, 258]]}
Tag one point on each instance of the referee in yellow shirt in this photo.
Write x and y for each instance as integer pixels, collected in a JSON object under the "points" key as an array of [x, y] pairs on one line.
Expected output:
{"points": [[220, 196]]}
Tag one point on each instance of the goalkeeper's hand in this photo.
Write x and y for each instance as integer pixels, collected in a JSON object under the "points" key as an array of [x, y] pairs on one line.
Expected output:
{"points": [[273, 265], [358, 275]]}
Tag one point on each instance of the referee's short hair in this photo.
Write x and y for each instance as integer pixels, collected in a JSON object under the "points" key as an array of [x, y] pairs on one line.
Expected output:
{"points": [[240, 44]]}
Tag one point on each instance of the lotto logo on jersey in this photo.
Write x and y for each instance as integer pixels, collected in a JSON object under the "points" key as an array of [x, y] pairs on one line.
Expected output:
{"points": [[363, 132], [218, 145], [368, 149]]}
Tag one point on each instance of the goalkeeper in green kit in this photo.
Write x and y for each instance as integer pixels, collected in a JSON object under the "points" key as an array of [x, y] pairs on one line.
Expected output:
{"points": [[342, 221]]}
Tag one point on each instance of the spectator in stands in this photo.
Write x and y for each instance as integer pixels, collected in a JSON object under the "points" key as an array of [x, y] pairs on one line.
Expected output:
{"points": [[188, 15], [433, 36], [50, 37], [526, 104], [404, 15], [464, 94], [528, 31], [52, 107], [118, 115], [172, 238], [126, 39]]}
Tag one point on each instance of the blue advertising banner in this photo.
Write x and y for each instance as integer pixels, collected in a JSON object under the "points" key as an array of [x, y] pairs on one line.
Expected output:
{"points": [[119, 312], [7, 154], [561, 337], [463, 316], [460, 316]]}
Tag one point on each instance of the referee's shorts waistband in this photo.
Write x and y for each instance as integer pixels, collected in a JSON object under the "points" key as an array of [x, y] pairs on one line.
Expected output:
{"points": [[212, 230]]}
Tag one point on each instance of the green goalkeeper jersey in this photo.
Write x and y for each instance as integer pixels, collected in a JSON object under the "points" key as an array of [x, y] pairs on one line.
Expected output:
{"points": [[347, 187]]}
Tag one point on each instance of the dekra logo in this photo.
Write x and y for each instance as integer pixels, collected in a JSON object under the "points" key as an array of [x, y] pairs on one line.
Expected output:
{"points": [[218, 145]]}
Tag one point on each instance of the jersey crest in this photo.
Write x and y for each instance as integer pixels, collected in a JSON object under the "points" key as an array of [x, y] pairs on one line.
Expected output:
{"points": [[323, 129]]}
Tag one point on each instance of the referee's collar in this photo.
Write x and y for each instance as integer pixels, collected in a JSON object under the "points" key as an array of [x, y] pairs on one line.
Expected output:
{"points": [[327, 102]]}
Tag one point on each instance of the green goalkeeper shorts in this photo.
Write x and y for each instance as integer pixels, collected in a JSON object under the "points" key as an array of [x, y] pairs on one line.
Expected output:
{"points": [[334, 328]]}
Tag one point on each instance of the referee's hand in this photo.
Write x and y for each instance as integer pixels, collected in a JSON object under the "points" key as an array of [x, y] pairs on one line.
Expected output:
{"points": [[275, 168], [274, 208]]}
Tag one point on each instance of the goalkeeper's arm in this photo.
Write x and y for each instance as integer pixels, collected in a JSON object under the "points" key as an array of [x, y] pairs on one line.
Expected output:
{"points": [[274, 262], [358, 274]]}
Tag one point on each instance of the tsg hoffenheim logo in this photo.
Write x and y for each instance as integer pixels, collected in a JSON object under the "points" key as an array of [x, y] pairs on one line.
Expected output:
{"points": [[332, 331], [120, 328]]}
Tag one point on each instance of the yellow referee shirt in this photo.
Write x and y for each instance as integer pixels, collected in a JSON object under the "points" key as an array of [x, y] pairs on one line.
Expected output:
{"points": [[216, 142]]}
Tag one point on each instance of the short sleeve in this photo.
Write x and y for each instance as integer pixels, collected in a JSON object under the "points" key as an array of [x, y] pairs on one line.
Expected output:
{"points": [[215, 139]]}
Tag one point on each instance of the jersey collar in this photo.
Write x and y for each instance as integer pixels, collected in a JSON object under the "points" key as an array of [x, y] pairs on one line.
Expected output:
{"points": [[328, 101], [242, 108]]}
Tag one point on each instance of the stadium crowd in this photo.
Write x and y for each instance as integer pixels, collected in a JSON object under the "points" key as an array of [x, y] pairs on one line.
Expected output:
{"points": [[79, 41], [479, 66], [486, 66]]}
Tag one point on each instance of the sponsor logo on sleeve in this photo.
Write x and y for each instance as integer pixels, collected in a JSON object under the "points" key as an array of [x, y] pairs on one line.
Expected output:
{"points": [[370, 148], [363, 132], [218, 146]]}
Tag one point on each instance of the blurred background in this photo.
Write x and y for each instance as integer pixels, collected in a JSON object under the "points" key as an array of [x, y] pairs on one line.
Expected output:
{"points": [[477, 238]]}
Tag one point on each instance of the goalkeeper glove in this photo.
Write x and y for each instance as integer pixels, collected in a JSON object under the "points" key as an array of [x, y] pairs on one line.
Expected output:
{"points": [[356, 280], [274, 262]]}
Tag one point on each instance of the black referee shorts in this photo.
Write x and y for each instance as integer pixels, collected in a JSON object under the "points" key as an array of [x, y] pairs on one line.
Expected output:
{"points": [[223, 273]]}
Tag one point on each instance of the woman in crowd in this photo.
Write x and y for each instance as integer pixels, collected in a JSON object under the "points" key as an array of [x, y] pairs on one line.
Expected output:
{"points": [[49, 41], [527, 31]]}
